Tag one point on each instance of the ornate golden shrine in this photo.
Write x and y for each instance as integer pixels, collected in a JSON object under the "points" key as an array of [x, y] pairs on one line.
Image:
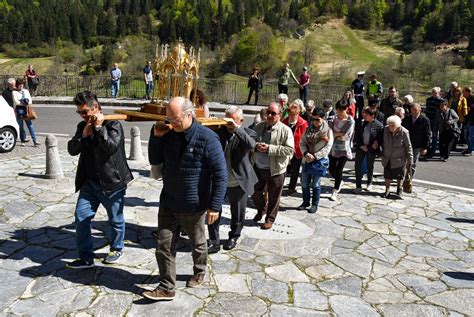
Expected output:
{"points": [[176, 74]]}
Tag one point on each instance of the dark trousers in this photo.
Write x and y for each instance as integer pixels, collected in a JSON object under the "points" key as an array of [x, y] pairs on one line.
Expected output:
{"points": [[336, 166], [274, 188], [446, 143], [360, 156], [416, 157], [283, 89], [434, 137], [238, 203], [304, 94], [170, 223], [360, 106], [294, 171], [252, 89]]}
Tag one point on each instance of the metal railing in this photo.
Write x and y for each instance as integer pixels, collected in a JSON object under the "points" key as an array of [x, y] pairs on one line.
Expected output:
{"points": [[216, 90]]}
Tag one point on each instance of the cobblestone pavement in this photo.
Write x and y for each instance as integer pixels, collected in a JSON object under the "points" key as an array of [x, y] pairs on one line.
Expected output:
{"points": [[360, 256]]}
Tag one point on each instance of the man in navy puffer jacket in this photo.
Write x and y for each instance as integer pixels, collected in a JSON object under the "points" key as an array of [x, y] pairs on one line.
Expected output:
{"points": [[194, 185]]}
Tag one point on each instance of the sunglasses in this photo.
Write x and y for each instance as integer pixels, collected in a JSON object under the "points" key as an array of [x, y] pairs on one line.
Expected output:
{"points": [[82, 112], [272, 113]]}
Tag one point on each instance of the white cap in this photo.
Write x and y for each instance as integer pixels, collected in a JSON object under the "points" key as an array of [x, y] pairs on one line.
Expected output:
{"points": [[362, 72]]}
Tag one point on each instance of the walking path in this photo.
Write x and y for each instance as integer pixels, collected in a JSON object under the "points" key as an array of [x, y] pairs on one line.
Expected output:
{"points": [[361, 256]]}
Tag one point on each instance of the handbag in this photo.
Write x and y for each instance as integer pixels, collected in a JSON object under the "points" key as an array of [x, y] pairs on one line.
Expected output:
{"points": [[30, 114], [317, 167], [407, 181]]}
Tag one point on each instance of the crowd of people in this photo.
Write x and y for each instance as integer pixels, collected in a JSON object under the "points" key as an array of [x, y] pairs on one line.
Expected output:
{"points": [[201, 167]]}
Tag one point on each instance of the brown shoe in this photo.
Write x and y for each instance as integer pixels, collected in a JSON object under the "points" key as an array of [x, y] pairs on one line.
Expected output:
{"points": [[159, 294], [266, 226], [195, 280]]}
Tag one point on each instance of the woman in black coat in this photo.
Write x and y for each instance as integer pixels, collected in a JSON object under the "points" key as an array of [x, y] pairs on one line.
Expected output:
{"points": [[448, 129]]}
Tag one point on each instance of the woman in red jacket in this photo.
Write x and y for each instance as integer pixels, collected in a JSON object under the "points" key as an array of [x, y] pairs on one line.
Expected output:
{"points": [[298, 125]]}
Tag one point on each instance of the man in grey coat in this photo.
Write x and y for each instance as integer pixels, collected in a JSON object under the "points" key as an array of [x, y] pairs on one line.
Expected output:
{"points": [[237, 142]]}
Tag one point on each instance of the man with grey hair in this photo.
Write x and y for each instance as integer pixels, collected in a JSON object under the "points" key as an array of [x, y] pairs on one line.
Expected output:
{"points": [[431, 110], [237, 142], [273, 151], [194, 185], [420, 133], [8, 92], [400, 112]]}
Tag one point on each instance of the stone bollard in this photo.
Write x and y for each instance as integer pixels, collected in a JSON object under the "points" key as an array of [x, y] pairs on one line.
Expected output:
{"points": [[53, 163], [135, 145]]}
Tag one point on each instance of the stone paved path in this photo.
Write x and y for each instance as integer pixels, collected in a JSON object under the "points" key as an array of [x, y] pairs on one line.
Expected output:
{"points": [[361, 256]]}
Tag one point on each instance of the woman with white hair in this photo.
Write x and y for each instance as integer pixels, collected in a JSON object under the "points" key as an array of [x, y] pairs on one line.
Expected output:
{"points": [[407, 103], [397, 152]]}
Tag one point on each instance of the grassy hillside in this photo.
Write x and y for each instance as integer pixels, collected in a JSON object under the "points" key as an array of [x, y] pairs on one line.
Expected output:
{"points": [[18, 66]]}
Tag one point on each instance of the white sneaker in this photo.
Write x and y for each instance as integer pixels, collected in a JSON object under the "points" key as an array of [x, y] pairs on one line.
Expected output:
{"points": [[369, 187], [333, 195], [340, 186]]}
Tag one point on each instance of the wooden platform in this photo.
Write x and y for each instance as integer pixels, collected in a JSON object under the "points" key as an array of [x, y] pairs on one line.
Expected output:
{"points": [[132, 115]]}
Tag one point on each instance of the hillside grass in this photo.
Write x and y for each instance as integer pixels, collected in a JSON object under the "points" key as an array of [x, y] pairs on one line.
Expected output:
{"points": [[18, 66]]}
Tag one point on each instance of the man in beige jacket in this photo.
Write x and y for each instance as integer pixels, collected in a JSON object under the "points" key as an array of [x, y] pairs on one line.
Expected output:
{"points": [[273, 151]]}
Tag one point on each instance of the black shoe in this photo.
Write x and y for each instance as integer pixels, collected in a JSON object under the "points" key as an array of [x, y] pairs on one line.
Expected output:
{"points": [[213, 248], [257, 217], [303, 206], [230, 244], [466, 153], [386, 195], [290, 192], [313, 209]]}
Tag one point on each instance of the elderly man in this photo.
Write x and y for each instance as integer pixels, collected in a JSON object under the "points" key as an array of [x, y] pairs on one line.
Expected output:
{"points": [[115, 75], [8, 92], [431, 110], [420, 133], [273, 151], [194, 185], [400, 112], [237, 142], [390, 103]]}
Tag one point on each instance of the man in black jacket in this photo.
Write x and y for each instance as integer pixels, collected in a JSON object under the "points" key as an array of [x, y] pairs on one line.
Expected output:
{"points": [[8, 92], [367, 140], [254, 84], [237, 142], [101, 178], [420, 133]]}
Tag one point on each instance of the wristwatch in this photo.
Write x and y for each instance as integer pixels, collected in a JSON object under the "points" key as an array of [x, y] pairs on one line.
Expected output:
{"points": [[98, 127]]}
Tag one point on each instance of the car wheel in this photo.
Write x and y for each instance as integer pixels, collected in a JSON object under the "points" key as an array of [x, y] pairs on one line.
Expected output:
{"points": [[7, 140]]}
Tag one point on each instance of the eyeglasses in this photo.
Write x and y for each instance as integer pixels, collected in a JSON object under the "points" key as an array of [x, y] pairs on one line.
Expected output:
{"points": [[83, 112], [272, 113]]}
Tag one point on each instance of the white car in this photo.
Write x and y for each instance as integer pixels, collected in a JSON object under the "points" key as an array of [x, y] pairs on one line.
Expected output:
{"points": [[9, 129]]}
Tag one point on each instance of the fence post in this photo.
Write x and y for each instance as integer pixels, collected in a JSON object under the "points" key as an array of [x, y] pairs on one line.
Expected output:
{"points": [[67, 92], [235, 92]]}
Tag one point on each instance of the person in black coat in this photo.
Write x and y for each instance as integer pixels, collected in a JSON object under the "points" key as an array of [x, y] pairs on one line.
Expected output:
{"points": [[367, 140], [101, 178], [420, 133], [254, 84], [237, 142]]}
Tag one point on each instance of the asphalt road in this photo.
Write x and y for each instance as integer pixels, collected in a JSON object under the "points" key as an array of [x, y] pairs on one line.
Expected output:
{"points": [[458, 171]]}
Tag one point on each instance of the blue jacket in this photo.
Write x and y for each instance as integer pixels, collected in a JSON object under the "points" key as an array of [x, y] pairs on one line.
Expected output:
{"points": [[194, 169]]}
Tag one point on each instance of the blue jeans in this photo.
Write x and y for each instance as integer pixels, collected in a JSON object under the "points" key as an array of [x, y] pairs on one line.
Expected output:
{"points": [[115, 88], [304, 94], [29, 124], [469, 136], [90, 196], [149, 89], [307, 182]]}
